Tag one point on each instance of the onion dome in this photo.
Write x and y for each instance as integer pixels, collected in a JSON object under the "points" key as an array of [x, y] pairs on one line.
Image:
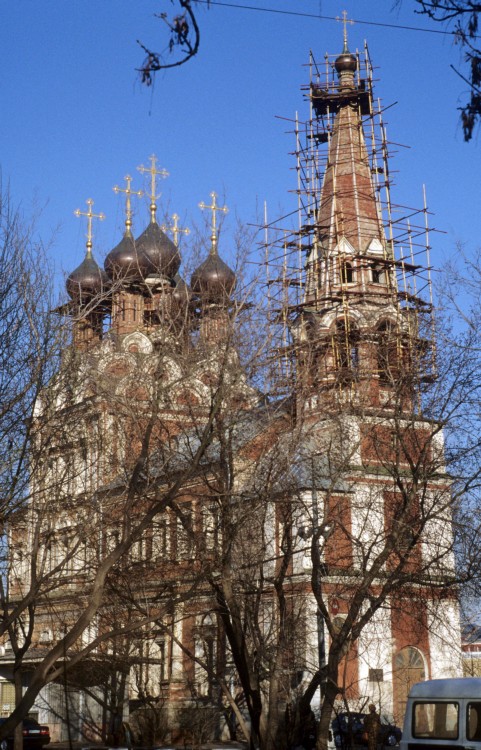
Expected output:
{"points": [[87, 280], [182, 293], [346, 60], [157, 254], [213, 280], [124, 262]]}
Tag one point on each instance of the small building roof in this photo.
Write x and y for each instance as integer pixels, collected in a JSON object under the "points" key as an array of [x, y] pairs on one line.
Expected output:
{"points": [[454, 688]]}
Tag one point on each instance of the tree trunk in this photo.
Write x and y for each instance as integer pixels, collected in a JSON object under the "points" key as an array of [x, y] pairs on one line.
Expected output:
{"points": [[18, 731], [330, 691]]}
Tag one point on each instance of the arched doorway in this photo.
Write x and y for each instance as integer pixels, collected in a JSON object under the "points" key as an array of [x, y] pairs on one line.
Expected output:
{"points": [[409, 668]]}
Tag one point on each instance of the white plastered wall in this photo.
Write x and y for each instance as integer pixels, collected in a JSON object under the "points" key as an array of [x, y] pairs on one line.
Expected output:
{"points": [[375, 652], [445, 640]]}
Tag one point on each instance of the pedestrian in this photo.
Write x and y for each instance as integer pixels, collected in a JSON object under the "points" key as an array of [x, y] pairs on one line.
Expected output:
{"points": [[372, 725]]}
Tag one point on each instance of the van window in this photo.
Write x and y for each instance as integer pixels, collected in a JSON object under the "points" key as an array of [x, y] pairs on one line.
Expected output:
{"points": [[473, 721], [435, 720]]}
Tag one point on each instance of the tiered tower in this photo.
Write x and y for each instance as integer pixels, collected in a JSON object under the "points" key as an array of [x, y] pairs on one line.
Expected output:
{"points": [[351, 303], [353, 289]]}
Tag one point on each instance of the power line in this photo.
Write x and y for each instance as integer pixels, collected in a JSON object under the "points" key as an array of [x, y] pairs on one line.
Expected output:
{"points": [[327, 18]]}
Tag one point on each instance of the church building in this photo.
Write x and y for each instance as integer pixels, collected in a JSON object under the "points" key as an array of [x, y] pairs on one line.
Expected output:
{"points": [[239, 510]]}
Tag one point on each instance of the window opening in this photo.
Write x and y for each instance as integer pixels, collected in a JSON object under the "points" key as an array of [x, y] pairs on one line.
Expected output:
{"points": [[436, 720], [473, 722], [347, 348], [347, 273]]}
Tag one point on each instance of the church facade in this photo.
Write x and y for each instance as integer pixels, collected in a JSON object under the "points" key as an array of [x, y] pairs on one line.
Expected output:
{"points": [[213, 554]]}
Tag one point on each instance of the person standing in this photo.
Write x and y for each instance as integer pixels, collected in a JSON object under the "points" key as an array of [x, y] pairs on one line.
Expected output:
{"points": [[372, 725]]}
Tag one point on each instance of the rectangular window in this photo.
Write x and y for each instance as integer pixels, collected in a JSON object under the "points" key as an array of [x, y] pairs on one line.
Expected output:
{"points": [[436, 720], [162, 651], [184, 539], [210, 523], [7, 701], [473, 722]]}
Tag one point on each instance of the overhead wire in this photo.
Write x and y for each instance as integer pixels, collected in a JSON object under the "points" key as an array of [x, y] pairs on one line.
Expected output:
{"points": [[317, 16]]}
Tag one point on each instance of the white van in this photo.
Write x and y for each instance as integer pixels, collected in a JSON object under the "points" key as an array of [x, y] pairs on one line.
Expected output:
{"points": [[443, 714]]}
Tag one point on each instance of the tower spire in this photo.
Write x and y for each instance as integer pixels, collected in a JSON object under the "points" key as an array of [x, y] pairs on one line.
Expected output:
{"points": [[154, 172], [345, 20], [128, 207], [90, 216], [350, 251]]}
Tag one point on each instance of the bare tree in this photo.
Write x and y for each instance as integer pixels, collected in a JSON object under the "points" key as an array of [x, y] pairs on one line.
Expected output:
{"points": [[183, 43], [465, 16], [30, 344], [172, 507]]}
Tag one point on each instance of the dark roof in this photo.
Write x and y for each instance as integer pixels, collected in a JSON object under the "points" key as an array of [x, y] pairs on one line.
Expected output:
{"points": [[470, 633]]}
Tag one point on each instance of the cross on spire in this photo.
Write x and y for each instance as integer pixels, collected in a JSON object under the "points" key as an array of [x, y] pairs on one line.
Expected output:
{"points": [[90, 216], [128, 192], [345, 20], [153, 174], [214, 208], [175, 229]]}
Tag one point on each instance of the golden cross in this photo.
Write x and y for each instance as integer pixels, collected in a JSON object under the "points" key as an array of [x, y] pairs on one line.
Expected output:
{"points": [[128, 192], [153, 173], [90, 215], [214, 208], [345, 21], [175, 229]]}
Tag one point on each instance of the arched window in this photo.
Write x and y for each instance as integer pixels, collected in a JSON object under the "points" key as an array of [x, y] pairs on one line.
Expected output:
{"points": [[346, 345], [205, 652], [347, 273], [408, 669], [378, 275], [387, 352]]}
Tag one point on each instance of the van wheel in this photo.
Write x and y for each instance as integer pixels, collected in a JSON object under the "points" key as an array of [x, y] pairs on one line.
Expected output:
{"points": [[391, 741]]}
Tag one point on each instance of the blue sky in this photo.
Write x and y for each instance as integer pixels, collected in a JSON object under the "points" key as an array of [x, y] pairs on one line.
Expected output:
{"points": [[75, 118]]}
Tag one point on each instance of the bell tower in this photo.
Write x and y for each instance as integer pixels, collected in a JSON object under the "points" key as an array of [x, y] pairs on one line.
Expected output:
{"points": [[361, 327]]}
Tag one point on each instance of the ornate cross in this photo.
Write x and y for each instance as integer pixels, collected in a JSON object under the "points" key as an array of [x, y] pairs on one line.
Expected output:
{"points": [[345, 21], [153, 174], [90, 215], [128, 192], [214, 208], [175, 229]]}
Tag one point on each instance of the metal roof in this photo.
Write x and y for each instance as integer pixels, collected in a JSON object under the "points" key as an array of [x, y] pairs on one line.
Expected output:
{"points": [[457, 687]]}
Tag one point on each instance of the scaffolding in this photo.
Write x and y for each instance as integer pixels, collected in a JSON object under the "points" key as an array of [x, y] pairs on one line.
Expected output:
{"points": [[296, 259]]}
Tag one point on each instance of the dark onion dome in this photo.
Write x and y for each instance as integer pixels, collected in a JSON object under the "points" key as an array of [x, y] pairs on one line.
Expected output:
{"points": [[157, 254], [87, 280], [124, 261], [182, 293], [213, 281], [346, 61]]}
